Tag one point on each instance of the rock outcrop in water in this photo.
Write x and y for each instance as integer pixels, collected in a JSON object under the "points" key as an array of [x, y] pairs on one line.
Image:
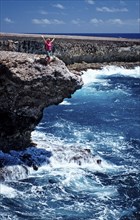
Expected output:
{"points": [[27, 86]]}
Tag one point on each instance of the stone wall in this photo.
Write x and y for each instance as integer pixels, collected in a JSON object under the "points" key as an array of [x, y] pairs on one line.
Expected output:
{"points": [[75, 49]]}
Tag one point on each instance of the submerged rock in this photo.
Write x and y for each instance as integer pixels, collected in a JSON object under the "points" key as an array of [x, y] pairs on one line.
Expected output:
{"points": [[27, 86]]}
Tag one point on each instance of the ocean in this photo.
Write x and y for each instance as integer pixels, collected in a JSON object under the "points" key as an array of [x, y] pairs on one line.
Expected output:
{"points": [[94, 168], [115, 35]]}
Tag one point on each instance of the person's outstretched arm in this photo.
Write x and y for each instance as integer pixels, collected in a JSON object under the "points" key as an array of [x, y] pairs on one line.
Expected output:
{"points": [[52, 39], [43, 38]]}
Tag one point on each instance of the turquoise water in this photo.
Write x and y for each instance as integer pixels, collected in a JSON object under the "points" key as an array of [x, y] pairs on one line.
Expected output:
{"points": [[100, 121]]}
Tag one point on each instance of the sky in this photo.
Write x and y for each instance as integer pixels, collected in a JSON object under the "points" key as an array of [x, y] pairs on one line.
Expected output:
{"points": [[70, 16]]}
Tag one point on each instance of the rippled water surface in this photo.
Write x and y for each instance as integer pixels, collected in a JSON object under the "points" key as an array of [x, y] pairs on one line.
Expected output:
{"points": [[100, 121]]}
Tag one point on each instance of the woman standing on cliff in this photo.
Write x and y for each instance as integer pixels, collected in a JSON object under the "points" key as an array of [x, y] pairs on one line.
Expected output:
{"points": [[49, 48]]}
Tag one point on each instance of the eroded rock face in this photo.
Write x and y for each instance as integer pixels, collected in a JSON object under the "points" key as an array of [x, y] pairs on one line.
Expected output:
{"points": [[76, 49], [27, 86]]}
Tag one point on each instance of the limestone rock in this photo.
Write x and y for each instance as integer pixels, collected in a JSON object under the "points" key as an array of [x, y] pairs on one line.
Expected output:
{"points": [[76, 49], [27, 86]]}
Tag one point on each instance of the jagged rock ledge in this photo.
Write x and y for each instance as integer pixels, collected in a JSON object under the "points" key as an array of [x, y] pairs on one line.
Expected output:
{"points": [[27, 86]]}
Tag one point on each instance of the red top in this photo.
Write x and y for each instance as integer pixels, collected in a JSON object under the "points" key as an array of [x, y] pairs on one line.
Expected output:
{"points": [[48, 45]]}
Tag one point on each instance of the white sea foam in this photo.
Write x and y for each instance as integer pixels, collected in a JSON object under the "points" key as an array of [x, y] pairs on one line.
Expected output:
{"points": [[7, 191], [67, 157], [80, 175], [65, 103], [90, 75]]}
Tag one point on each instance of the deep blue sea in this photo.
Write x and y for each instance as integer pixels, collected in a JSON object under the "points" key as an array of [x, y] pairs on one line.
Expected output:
{"points": [[100, 122], [116, 35]]}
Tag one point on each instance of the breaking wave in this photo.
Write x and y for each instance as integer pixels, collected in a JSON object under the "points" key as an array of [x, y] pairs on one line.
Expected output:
{"points": [[93, 169]]}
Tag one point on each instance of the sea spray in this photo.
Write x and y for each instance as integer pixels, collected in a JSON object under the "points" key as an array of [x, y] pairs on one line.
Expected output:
{"points": [[72, 185]]}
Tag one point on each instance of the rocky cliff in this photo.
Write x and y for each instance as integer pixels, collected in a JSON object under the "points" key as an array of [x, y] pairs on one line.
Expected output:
{"points": [[76, 49], [27, 86]]}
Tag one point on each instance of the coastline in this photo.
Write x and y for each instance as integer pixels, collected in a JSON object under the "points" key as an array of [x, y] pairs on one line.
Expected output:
{"points": [[4, 35], [76, 49], [77, 56], [84, 66]]}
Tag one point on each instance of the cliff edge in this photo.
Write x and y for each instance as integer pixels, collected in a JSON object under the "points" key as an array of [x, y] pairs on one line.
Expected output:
{"points": [[76, 49], [27, 86]]}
